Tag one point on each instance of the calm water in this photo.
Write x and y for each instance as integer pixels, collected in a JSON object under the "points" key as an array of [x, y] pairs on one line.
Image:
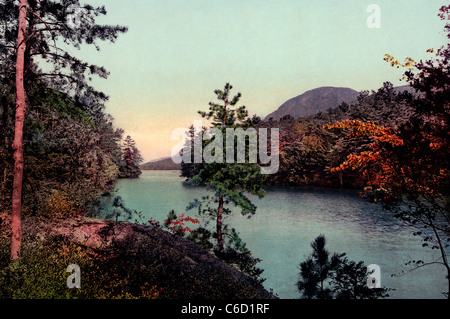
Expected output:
{"points": [[286, 222]]}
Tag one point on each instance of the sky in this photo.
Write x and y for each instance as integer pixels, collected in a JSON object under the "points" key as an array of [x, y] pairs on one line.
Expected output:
{"points": [[177, 52]]}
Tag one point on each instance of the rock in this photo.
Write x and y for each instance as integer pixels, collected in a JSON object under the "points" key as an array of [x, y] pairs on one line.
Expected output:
{"points": [[179, 266]]}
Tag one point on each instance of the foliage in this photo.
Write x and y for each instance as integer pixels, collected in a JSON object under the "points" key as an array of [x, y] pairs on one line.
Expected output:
{"points": [[228, 180], [349, 281], [191, 168], [119, 210], [77, 155], [310, 151], [409, 167], [131, 159], [322, 277], [315, 271], [370, 164], [176, 224], [59, 205], [405, 172], [237, 253], [71, 147], [41, 274], [50, 34], [202, 237]]}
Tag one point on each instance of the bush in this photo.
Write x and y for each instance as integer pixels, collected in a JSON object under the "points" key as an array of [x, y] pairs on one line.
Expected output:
{"points": [[41, 273], [58, 205]]}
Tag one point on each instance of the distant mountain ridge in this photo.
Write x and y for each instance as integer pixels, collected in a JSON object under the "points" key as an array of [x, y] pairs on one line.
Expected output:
{"points": [[319, 100], [313, 101], [164, 163]]}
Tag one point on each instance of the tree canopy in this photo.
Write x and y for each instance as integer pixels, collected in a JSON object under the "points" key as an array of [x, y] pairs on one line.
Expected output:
{"points": [[72, 151], [228, 180]]}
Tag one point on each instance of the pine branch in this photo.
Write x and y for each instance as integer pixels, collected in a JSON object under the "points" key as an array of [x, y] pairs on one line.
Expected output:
{"points": [[46, 25]]}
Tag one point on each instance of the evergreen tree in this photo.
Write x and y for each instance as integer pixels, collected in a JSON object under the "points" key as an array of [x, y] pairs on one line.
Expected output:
{"points": [[315, 271], [322, 277], [131, 159], [228, 180], [190, 169], [39, 24]]}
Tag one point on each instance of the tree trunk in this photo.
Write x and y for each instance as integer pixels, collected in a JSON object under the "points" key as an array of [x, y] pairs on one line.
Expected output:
{"points": [[219, 224], [18, 135]]}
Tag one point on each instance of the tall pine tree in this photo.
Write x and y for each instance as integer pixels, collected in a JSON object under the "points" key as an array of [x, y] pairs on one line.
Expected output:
{"points": [[131, 159], [41, 26], [228, 180]]}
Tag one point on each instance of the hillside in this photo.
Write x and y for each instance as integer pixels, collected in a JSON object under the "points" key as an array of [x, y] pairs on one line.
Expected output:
{"points": [[320, 100], [165, 163], [122, 256], [310, 150], [406, 88], [314, 101]]}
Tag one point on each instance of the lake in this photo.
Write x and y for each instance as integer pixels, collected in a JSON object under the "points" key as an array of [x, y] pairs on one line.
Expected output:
{"points": [[288, 219]]}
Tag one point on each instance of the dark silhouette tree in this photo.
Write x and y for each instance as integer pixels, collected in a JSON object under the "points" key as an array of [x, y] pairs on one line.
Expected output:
{"points": [[349, 281], [190, 168], [325, 277], [315, 272]]}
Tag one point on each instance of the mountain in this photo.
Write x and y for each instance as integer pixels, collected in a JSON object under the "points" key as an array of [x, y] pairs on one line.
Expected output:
{"points": [[406, 88], [164, 163], [321, 99], [314, 101]]}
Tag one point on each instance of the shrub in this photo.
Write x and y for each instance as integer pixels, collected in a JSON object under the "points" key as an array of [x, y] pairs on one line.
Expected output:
{"points": [[58, 205], [41, 273]]}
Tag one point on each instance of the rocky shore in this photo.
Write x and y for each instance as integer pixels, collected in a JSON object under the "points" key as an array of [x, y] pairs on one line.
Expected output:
{"points": [[178, 267]]}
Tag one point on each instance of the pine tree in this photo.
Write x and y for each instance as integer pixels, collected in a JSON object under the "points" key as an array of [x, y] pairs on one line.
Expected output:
{"points": [[40, 24], [325, 277], [131, 159], [189, 168], [16, 232], [315, 271], [228, 180]]}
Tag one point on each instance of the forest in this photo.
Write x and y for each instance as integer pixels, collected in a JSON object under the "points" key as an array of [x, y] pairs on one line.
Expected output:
{"points": [[72, 151], [310, 151]]}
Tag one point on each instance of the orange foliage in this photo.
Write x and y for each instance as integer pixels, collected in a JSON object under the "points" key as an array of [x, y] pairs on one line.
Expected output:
{"points": [[375, 165], [382, 167], [358, 128]]}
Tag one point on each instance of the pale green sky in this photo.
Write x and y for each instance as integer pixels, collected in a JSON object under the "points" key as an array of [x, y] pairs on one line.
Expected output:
{"points": [[177, 52]]}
